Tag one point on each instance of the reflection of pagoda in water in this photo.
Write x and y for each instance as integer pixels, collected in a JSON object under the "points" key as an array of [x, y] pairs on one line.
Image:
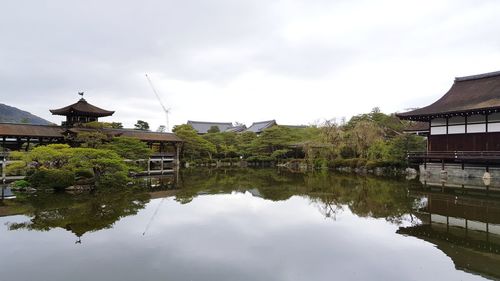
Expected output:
{"points": [[464, 223]]}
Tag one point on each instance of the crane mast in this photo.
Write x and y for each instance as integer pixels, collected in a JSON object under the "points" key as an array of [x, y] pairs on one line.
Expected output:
{"points": [[166, 110]]}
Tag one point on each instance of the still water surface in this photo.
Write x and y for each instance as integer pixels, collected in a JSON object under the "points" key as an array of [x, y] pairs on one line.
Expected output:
{"points": [[254, 225]]}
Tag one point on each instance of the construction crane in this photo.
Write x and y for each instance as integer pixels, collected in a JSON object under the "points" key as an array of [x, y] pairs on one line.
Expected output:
{"points": [[166, 110]]}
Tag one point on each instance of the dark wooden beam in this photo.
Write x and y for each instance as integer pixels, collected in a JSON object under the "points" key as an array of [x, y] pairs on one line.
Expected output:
{"points": [[27, 144]]}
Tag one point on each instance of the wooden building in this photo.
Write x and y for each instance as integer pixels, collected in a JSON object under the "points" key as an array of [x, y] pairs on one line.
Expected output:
{"points": [[202, 127], [465, 122], [81, 112], [21, 136], [259, 127]]}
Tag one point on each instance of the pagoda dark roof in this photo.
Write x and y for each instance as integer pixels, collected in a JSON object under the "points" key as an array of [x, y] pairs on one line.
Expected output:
{"points": [[202, 127], [468, 95], [29, 130], [82, 107]]}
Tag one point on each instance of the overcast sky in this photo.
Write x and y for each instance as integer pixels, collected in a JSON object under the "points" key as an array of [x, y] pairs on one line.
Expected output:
{"points": [[294, 61]]}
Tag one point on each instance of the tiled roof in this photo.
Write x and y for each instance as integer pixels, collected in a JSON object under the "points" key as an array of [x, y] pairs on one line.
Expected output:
{"points": [[82, 107], [258, 127], [131, 133], [29, 130], [469, 94], [237, 129], [202, 127], [45, 131]]}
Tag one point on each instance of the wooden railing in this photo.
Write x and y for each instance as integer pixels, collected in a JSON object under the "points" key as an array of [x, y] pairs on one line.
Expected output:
{"points": [[162, 154], [455, 156]]}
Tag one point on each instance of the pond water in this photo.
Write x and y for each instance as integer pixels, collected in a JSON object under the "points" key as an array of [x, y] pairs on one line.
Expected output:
{"points": [[254, 225]]}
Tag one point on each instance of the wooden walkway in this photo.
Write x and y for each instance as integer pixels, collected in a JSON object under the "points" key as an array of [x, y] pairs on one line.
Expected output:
{"points": [[467, 157], [157, 164]]}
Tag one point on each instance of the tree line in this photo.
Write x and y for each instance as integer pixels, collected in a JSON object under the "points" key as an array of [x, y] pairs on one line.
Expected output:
{"points": [[372, 138]]}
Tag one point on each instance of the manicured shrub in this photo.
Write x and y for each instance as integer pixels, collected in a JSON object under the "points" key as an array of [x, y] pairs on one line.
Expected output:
{"points": [[21, 184], [57, 179]]}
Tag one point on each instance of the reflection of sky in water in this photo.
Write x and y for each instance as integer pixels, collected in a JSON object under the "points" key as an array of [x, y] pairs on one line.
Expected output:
{"points": [[226, 237]]}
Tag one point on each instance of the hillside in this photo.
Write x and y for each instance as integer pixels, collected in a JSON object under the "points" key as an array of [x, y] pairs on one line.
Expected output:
{"points": [[14, 115]]}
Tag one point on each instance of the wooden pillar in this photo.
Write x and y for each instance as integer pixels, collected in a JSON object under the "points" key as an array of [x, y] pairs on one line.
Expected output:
{"points": [[161, 164], [177, 154], [466, 125], [487, 232], [487, 138], [447, 143], [4, 172], [27, 144], [149, 166]]}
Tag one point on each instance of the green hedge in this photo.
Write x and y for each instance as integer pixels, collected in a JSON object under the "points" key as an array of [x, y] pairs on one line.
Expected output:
{"points": [[260, 158], [363, 163], [52, 179]]}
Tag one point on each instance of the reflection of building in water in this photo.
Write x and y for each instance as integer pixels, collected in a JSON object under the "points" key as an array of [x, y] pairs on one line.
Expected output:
{"points": [[160, 181], [464, 223], [87, 212]]}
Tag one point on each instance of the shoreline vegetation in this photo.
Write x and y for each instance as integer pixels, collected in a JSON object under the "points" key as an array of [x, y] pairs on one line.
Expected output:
{"points": [[95, 160], [368, 143]]}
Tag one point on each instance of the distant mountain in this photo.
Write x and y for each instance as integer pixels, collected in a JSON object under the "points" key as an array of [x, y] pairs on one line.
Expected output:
{"points": [[9, 114]]}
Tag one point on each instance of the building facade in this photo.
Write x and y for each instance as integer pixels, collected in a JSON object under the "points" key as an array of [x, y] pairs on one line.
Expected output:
{"points": [[463, 136], [466, 118], [166, 146]]}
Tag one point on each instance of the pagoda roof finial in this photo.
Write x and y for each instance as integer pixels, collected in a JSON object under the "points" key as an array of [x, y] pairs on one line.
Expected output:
{"points": [[82, 108]]}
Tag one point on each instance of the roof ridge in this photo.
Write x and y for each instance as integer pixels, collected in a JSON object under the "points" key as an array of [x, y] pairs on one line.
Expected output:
{"points": [[29, 124], [268, 121], [208, 122], [132, 130], [477, 76]]}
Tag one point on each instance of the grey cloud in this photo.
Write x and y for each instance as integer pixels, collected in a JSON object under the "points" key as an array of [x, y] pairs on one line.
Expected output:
{"points": [[52, 49]]}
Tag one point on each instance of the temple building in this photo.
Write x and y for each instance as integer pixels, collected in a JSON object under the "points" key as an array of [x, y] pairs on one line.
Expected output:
{"points": [[81, 112], [202, 127], [464, 124], [166, 146], [259, 127]]}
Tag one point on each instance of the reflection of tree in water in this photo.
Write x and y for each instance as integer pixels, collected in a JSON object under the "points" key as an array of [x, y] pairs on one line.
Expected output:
{"points": [[80, 213], [364, 196], [332, 193], [269, 183], [328, 206]]}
